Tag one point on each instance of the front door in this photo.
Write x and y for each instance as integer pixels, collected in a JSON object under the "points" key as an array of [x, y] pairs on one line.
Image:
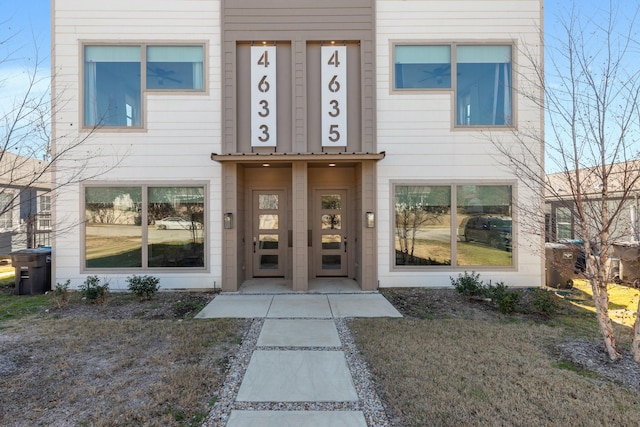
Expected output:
{"points": [[269, 233], [330, 224]]}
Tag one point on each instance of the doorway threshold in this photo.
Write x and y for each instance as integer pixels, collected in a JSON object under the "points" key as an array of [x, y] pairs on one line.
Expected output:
{"points": [[324, 285]]}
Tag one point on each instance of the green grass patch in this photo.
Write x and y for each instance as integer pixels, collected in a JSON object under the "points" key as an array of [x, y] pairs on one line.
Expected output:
{"points": [[563, 364], [13, 307]]}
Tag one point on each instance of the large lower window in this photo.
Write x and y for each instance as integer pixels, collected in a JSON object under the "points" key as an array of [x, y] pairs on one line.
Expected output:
{"points": [[113, 79], [480, 75], [144, 227], [423, 225], [477, 232], [485, 229]]}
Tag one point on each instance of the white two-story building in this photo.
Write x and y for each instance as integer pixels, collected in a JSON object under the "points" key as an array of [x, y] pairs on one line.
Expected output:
{"points": [[230, 140]]}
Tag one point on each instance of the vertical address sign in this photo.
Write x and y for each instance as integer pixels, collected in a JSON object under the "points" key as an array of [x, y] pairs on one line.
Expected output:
{"points": [[263, 96], [334, 96]]}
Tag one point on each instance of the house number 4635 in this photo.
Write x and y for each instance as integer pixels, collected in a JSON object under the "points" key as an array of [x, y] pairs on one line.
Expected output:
{"points": [[334, 66]]}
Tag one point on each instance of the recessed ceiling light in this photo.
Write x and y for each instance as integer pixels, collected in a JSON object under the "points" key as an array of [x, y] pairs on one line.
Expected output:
{"points": [[332, 164], [266, 165]]}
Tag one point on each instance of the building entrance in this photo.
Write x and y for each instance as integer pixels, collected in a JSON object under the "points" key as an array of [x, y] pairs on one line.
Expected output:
{"points": [[330, 227], [269, 233]]}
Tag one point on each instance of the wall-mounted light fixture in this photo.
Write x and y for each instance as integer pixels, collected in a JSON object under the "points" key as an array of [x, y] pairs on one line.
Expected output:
{"points": [[228, 221], [370, 220]]}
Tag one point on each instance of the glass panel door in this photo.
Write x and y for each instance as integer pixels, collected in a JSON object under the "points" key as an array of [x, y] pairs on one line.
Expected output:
{"points": [[268, 243], [330, 223]]}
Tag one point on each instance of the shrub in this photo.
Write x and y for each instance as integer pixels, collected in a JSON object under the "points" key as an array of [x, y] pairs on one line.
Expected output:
{"points": [[93, 291], [468, 284], [144, 287], [61, 294], [545, 302], [504, 297]]}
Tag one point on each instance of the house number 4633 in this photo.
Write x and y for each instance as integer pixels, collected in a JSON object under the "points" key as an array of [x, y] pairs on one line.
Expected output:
{"points": [[263, 96]]}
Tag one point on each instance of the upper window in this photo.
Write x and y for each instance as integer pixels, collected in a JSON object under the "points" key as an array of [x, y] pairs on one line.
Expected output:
{"points": [[483, 90], [113, 79], [480, 75], [112, 95], [422, 67], [175, 67]]}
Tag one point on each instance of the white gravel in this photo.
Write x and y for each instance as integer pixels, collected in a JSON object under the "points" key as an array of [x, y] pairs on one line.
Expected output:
{"points": [[368, 401]]}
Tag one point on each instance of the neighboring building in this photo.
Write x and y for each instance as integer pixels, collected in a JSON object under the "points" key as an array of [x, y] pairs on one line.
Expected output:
{"points": [[25, 203], [294, 139], [560, 217]]}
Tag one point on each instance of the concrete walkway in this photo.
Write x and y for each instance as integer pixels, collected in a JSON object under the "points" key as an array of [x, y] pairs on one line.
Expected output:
{"points": [[298, 365]]}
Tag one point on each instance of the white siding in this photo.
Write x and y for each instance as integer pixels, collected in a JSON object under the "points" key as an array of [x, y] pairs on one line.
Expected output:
{"points": [[416, 131], [181, 130]]}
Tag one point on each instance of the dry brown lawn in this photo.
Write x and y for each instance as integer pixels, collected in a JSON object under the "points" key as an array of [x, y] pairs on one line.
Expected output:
{"points": [[467, 366], [126, 363]]}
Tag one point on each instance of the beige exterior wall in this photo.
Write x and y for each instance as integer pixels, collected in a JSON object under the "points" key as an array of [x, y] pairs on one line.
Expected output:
{"points": [[416, 129], [181, 130], [298, 30]]}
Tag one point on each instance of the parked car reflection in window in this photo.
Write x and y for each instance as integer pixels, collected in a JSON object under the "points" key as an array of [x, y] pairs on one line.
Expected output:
{"points": [[177, 223], [495, 231]]}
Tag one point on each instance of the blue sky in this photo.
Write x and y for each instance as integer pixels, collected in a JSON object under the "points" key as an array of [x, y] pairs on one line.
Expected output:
{"points": [[24, 24], [30, 20]]}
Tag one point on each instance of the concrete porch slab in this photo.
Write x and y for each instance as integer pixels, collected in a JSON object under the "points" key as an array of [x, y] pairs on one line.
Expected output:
{"points": [[296, 419], [361, 305], [299, 305], [297, 376], [298, 333], [243, 306]]}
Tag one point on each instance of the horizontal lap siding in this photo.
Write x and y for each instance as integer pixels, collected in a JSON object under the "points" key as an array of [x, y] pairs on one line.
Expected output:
{"points": [[297, 22], [181, 130], [415, 128]]}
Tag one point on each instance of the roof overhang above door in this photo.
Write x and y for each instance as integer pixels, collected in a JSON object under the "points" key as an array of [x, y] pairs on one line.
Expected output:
{"points": [[295, 157]]}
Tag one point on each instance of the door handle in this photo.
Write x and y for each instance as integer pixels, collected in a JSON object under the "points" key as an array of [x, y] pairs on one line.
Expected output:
{"points": [[345, 244], [254, 245]]}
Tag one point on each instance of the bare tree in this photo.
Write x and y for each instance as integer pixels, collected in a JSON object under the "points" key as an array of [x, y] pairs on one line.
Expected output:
{"points": [[27, 160], [589, 90]]}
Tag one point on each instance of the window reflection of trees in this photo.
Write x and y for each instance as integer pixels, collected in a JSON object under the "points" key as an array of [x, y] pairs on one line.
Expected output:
{"points": [[415, 208]]}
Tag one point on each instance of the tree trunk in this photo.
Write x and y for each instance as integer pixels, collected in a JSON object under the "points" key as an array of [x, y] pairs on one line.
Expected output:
{"points": [[601, 301], [635, 345]]}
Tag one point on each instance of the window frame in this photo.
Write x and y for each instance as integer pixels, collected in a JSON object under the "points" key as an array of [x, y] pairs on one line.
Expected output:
{"points": [[422, 89], [11, 203], [454, 80], [206, 235], [44, 211], [144, 91], [453, 226]]}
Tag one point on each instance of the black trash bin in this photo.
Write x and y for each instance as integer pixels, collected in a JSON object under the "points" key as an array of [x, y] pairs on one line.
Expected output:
{"points": [[33, 270], [561, 264]]}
